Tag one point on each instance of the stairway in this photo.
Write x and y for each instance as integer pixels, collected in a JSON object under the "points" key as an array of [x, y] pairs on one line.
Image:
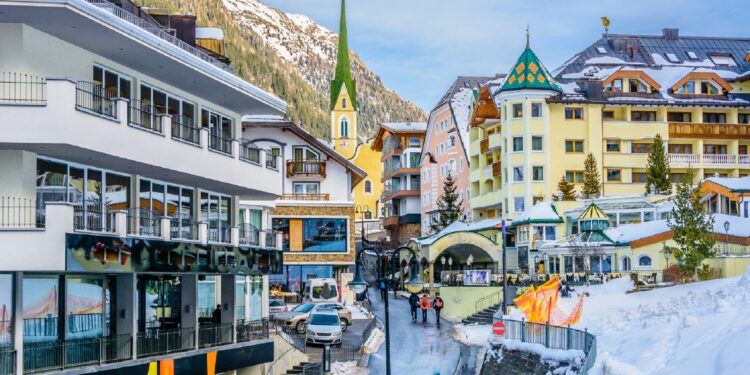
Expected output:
{"points": [[482, 317], [298, 369]]}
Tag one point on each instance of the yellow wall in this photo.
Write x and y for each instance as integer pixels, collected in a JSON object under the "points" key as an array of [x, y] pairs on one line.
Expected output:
{"points": [[459, 301], [346, 146], [369, 161]]}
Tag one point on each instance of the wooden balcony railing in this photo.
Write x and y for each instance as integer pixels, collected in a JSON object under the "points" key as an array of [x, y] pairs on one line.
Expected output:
{"points": [[305, 168], [497, 169], [711, 131], [305, 197], [484, 145]]}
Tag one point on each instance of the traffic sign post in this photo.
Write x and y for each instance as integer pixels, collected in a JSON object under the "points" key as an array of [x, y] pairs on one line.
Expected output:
{"points": [[498, 328]]}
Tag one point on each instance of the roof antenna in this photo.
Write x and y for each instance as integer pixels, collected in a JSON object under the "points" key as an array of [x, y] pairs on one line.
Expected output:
{"points": [[528, 36], [605, 23]]}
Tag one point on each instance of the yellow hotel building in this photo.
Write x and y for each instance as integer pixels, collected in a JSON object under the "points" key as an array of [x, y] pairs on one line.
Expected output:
{"points": [[611, 99]]}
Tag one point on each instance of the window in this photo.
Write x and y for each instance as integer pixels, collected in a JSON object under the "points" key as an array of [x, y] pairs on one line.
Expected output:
{"points": [[637, 86], [742, 149], [608, 115], [639, 177], [517, 174], [575, 177], [517, 110], [680, 149], [575, 146], [614, 86], [368, 187], [313, 234], [640, 148], [453, 141], [715, 118], [303, 188], [114, 84], [679, 116], [743, 118], [672, 58], [219, 129], [713, 149], [413, 141], [517, 144], [574, 113], [536, 110], [344, 128], [343, 102], [302, 153], [613, 145], [691, 55], [687, 88], [518, 204], [601, 49], [536, 143], [625, 263], [644, 261], [614, 175], [722, 59], [708, 88], [538, 173], [677, 178], [643, 116]]}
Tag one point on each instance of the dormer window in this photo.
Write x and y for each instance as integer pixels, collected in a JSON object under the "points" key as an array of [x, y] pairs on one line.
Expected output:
{"points": [[708, 88], [702, 83], [686, 88], [637, 86], [614, 86], [343, 103]]}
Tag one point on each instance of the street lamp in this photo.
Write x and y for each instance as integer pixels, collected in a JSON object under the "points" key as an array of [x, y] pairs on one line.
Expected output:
{"points": [[450, 264], [545, 259], [469, 260], [536, 267], [726, 237], [363, 210]]}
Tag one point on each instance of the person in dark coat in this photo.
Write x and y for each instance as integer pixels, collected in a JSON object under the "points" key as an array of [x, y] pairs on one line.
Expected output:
{"points": [[438, 305], [216, 315], [414, 304]]}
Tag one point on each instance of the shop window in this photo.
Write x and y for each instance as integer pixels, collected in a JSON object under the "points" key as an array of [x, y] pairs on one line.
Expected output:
{"points": [[313, 234]]}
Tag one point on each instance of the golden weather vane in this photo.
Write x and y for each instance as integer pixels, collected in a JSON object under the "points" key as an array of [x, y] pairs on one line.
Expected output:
{"points": [[605, 23]]}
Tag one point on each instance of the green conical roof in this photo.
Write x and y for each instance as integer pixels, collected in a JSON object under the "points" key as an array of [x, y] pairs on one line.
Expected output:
{"points": [[343, 66], [529, 73]]}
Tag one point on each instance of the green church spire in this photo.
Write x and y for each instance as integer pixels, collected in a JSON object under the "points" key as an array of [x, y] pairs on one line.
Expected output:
{"points": [[343, 66]]}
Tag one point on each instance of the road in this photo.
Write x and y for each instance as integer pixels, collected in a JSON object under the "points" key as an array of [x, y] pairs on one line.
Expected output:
{"points": [[416, 348], [352, 341]]}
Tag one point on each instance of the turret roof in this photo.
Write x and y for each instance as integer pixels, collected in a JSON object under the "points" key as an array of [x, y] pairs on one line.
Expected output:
{"points": [[529, 73], [343, 75]]}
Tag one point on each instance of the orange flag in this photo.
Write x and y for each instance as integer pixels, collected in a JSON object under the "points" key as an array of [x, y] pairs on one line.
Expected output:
{"points": [[546, 300], [575, 315], [526, 302]]}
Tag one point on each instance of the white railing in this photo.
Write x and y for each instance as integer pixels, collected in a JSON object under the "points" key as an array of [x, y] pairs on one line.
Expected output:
{"points": [[720, 159], [692, 159], [488, 171], [698, 159], [743, 159]]}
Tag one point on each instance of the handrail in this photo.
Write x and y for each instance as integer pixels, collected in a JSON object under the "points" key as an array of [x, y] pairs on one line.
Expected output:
{"points": [[93, 97], [488, 301], [184, 128], [305, 168], [22, 88], [305, 197]]}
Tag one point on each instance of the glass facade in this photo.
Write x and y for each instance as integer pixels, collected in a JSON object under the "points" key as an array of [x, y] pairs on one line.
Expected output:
{"points": [[294, 277], [313, 234]]}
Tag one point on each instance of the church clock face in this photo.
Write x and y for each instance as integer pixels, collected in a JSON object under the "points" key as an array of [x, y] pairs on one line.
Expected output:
{"points": [[344, 144]]}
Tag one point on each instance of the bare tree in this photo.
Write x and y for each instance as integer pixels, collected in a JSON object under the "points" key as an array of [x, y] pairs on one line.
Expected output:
{"points": [[585, 250]]}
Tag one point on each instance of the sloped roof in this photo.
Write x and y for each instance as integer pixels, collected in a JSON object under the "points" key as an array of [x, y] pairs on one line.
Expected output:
{"points": [[343, 75], [529, 73], [460, 226], [736, 185], [593, 212], [542, 212]]}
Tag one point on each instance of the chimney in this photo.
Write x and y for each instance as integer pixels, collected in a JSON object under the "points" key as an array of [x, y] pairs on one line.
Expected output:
{"points": [[670, 34]]}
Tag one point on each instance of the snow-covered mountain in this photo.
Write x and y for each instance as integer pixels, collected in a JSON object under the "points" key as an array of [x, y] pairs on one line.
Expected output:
{"points": [[311, 49]]}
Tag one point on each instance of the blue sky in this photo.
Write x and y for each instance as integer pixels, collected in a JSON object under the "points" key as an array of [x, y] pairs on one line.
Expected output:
{"points": [[418, 47]]}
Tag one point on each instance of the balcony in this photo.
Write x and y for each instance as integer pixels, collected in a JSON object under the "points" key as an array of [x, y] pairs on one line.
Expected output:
{"points": [[68, 120], [305, 197], [484, 145], [497, 169], [305, 168], [53, 356], [709, 131], [488, 199], [709, 160], [397, 192]]}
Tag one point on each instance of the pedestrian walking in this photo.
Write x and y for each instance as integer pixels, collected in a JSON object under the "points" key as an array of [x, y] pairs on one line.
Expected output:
{"points": [[437, 304], [383, 290], [414, 304], [216, 315], [424, 304]]}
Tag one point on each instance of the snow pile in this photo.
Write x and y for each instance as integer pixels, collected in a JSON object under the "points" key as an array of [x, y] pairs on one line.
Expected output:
{"points": [[472, 334], [348, 368], [377, 337], [698, 328], [359, 312], [560, 361]]}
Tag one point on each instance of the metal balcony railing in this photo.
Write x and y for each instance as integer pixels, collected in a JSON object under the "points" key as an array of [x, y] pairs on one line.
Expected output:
{"points": [[252, 330], [272, 161], [144, 116], [144, 222], [249, 235], [7, 360], [218, 231], [305, 197], [250, 152], [210, 335], [46, 356], [90, 215], [164, 341], [93, 97], [21, 88], [183, 227], [271, 238], [219, 143], [19, 213], [184, 129]]}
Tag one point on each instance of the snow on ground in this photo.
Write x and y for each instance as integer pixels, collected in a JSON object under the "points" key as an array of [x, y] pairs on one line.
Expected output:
{"points": [[416, 348], [697, 328], [472, 334], [359, 312], [348, 368], [377, 337]]}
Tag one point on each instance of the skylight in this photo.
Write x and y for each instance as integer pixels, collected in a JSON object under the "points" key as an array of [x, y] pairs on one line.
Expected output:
{"points": [[692, 55], [601, 49], [672, 58], [723, 60]]}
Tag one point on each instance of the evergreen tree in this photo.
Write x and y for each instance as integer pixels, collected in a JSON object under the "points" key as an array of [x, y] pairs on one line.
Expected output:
{"points": [[591, 184], [657, 169], [568, 190], [691, 229], [449, 207]]}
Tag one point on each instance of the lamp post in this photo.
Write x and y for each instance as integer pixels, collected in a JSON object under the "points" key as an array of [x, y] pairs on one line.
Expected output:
{"points": [[536, 267], [413, 285], [505, 270], [362, 210], [545, 259], [726, 237]]}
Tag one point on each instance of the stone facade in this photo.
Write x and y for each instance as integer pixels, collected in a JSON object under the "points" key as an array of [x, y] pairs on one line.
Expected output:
{"points": [[403, 233], [518, 362], [319, 211]]}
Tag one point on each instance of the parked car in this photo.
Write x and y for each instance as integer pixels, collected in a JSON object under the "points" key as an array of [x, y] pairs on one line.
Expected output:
{"points": [[321, 290], [297, 318], [345, 315], [324, 327], [276, 306]]}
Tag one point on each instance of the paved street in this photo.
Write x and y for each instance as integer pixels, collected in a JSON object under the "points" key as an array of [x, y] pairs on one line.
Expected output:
{"points": [[352, 341]]}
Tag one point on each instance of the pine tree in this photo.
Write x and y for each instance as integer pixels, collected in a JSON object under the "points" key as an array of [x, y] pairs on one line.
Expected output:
{"points": [[591, 184], [568, 190], [691, 229], [449, 207], [657, 170]]}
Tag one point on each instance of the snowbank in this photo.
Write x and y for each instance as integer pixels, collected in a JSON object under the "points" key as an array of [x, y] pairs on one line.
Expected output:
{"points": [[348, 368], [373, 343], [359, 312], [473, 334]]}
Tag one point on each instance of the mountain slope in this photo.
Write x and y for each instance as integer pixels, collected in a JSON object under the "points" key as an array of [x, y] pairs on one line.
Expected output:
{"points": [[294, 58]]}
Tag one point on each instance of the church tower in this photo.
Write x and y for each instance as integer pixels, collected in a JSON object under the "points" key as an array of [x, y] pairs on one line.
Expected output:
{"points": [[343, 97]]}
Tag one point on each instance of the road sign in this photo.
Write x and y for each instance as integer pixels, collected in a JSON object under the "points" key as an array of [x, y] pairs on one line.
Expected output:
{"points": [[498, 328]]}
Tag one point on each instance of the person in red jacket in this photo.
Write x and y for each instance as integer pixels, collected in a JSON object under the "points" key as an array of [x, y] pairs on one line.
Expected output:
{"points": [[437, 304], [424, 304]]}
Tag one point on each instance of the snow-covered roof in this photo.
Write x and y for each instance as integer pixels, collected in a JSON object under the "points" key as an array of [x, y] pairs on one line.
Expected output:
{"points": [[542, 212], [405, 126], [209, 33], [460, 226], [461, 105], [628, 233], [736, 184], [738, 226]]}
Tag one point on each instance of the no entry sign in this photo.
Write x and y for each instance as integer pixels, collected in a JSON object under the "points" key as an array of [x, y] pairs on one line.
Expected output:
{"points": [[498, 328]]}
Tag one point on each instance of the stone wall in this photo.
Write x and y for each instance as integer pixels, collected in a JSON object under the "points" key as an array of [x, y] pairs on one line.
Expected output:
{"points": [[319, 211], [401, 234], [500, 360]]}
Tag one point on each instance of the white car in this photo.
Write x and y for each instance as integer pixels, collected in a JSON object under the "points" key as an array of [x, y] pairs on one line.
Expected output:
{"points": [[324, 327]]}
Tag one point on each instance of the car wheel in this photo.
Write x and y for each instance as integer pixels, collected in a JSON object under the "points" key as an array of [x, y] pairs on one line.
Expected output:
{"points": [[301, 327], [344, 325]]}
